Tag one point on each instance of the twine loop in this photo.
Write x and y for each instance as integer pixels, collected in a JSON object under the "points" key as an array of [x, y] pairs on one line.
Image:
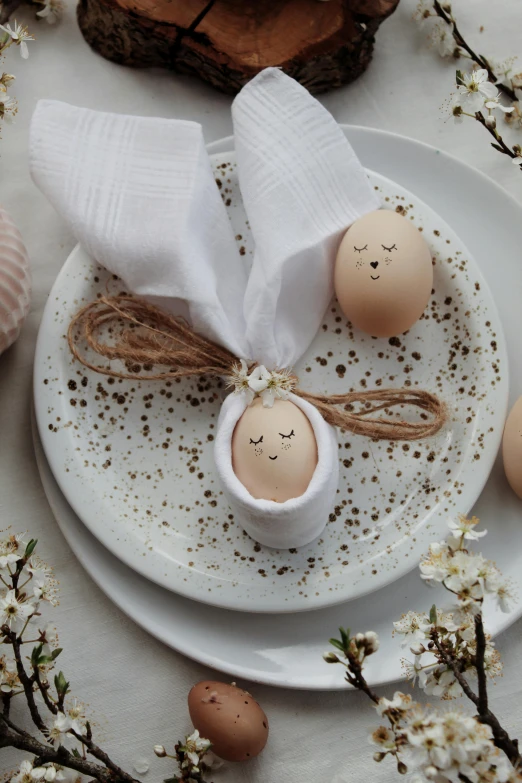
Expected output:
{"points": [[144, 337]]}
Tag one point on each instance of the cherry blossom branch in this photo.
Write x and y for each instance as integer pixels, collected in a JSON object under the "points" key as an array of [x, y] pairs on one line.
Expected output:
{"points": [[480, 637], [21, 740], [26, 681], [477, 58], [499, 143]]}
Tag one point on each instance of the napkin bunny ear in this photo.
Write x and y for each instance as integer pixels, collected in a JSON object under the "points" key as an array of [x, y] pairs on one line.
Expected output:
{"points": [[302, 186], [140, 196]]}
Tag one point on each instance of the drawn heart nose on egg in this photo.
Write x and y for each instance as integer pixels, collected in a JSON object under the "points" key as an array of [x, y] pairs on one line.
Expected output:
{"points": [[374, 264]]}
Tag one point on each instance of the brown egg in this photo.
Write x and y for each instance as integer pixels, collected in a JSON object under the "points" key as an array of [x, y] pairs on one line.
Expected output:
{"points": [[230, 718], [274, 451], [512, 448], [383, 274]]}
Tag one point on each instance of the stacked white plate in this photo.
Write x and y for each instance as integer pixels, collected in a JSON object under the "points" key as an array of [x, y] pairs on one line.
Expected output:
{"points": [[128, 467]]}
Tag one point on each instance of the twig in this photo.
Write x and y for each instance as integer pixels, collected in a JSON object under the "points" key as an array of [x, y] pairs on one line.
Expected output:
{"points": [[27, 683], [483, 708], [500, 145], [98, 753], [452, 663], [43, 690], [17, 738], [479, 59], [500, 736]]}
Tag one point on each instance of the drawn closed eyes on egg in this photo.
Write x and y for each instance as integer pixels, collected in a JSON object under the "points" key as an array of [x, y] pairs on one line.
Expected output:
{"points": [[383, 273], [262, 455]]}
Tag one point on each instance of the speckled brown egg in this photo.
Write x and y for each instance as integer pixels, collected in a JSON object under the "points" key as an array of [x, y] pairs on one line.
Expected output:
{"points": [[230, 718]]}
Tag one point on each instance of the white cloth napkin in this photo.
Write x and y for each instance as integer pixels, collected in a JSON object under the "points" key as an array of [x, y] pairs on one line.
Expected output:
{"points": [[297, 521], [139, 194]]}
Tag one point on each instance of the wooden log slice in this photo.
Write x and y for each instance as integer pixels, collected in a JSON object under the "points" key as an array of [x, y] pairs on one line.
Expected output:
{"points": [[226, 42]]}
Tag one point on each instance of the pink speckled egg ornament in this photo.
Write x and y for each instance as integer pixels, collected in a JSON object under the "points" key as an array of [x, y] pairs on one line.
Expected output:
{"points": [[15, 281]]}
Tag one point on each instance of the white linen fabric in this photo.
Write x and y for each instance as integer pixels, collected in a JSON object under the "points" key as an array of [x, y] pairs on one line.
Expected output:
{"points": [[303, 186], [113, 664], [299, 520], [140, 196]]}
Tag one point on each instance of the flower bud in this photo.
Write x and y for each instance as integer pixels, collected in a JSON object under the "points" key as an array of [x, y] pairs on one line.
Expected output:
{"points": [[417, 649], [160, 751], [378, 756], [491, 121], [401, 768], [330, 657]]}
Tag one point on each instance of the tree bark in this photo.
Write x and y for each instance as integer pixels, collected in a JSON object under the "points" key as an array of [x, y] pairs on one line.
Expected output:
{"points": [[227, 42]]}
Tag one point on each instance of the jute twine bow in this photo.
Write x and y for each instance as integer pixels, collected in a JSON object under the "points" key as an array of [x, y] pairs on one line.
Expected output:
{"points": [[143, 337]]}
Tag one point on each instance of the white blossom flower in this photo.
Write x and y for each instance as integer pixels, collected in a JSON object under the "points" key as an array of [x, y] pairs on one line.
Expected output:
{"points": [[194, 746], [515, 118], [456, 108], [464, 527], [493, 104], [452, 747], [412, 669], [475, 89], [383, 738], [440, 681], [19, 35], [424, 12], [436, 565], [48, 773], [505, 597], [76, 714], [442, 38], [24, 774], [52, 10], [8, 111], [412, 626], [49, 639], [14, 612], [8, 675], [239, 379], [5, 80], [60, 727], [11, 547], [5, 102], [400, 703]]}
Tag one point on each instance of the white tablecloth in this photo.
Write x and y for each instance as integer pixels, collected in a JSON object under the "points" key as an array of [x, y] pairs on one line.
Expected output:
{"points": [[135, 686]]}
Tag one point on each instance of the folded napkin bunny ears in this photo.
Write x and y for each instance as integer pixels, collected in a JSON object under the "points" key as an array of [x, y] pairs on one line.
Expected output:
{"points": [[140, 196]]}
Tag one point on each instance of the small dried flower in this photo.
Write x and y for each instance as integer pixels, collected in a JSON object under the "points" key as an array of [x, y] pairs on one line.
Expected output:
{"points": [[52, 10]]}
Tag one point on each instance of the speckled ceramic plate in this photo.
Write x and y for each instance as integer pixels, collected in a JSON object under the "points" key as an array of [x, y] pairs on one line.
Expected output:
{"points": [[135, 461]]}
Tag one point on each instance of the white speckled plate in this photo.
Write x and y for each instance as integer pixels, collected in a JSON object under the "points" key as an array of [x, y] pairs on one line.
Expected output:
{"points": [[134, 460]]}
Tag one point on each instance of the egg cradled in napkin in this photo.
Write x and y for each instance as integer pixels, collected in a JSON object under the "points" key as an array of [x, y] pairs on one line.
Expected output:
{"points": [[383, 274], [512, 448], [274, 451], [15, 282], [230, 718]]}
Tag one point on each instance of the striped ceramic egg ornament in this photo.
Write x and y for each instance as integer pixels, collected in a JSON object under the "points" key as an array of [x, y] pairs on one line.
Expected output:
{"points": [[15, 281]]}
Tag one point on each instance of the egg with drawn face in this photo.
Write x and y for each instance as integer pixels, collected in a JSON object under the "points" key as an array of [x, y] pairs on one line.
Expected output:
{"points": [[274, 451], [383, 274]]}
